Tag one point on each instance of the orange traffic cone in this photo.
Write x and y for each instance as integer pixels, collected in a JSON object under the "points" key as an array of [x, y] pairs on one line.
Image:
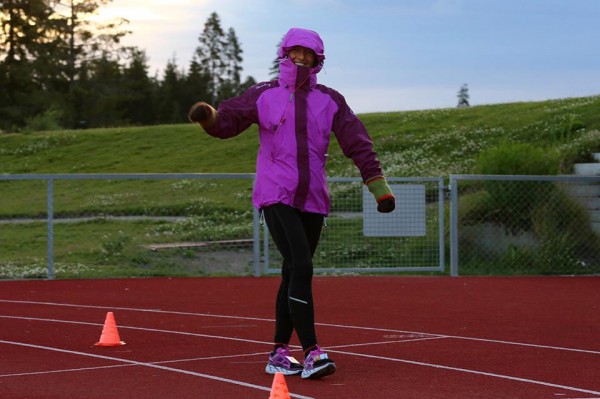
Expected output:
{"points": [[110, 335], [279, 389]]}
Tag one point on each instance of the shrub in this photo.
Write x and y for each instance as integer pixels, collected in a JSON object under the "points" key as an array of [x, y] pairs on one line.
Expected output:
{"points": [[517, 159], [513, 201], [48, 120], [579, 150]]}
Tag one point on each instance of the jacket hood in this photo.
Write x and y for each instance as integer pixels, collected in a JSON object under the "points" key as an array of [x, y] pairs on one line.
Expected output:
{"points": [[305, 38]]}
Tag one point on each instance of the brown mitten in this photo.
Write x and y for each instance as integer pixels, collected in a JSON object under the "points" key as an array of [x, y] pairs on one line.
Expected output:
{"points": [[204, 114]]}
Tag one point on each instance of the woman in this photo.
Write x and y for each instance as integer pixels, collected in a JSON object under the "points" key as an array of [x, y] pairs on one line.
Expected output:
{"points": [[296, 116]]}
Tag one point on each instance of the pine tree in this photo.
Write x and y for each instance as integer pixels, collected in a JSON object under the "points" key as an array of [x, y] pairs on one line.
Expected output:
{"points": [[463, 96], [233, 58], [220, 57], [138, 94], [196, 86], [211, 54], [250, 81], [44, 44], [104, 91], [25, 25], [83, 40], [171, 94], [274, 70]]}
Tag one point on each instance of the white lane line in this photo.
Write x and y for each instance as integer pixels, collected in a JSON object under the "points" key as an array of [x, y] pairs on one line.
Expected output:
{"points": [[139, 328], [151, 365], [399, 341], [422, 334], [135, 310], [62, 371], [432, 365], [194, 359], [462, 370], [495, 341]]}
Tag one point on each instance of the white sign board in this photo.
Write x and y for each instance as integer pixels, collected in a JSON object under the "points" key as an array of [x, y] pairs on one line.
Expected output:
{"points": [[407, 220]]}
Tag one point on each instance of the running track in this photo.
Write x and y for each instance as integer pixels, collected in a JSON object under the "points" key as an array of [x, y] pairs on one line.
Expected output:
{"points": [[391, 337]]}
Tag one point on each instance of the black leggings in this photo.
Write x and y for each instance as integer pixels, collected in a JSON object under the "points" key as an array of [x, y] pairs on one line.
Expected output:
{"points": [[296, 235]]}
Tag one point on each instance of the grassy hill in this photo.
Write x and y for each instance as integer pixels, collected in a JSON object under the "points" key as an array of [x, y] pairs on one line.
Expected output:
{"points": [[423, 143], [416, 143]]}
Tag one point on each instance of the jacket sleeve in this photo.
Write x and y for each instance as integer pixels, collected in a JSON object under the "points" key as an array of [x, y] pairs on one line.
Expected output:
{"points": [[236, 114], [354, 140]]}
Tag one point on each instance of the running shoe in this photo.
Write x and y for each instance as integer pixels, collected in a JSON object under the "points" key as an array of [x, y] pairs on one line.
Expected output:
{"points": [[281, 361], [317, 364]]}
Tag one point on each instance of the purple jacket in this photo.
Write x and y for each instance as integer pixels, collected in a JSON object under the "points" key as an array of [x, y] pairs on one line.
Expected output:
{"points": [[296, 116]]}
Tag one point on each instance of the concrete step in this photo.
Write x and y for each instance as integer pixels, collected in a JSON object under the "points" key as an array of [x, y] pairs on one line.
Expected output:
{"points": [[583, 190], [588, 195], [591, 204], [587, 169], [595, 216]]}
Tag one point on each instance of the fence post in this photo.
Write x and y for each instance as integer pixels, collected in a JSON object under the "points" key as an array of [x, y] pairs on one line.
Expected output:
{"points": [[256, 241], [50, 205], [266, 260], [441, 224], [453, 226]]}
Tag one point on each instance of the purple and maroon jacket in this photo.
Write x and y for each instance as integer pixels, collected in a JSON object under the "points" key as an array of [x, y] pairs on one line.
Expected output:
{"points": [[296, 116]]}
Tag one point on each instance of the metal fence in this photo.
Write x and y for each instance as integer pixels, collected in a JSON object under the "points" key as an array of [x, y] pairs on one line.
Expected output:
{"points": [[524, 224], [204, 224], [358, 239], [161, 223]]}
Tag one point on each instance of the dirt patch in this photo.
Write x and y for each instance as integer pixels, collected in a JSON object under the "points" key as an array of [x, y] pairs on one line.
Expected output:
{"points": [[229, 262]]}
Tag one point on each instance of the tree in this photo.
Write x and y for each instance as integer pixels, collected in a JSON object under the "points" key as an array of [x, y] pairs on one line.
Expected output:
{"points": [[250, 81], [274, 70], [463, 96], [211, 54], [196, 86], [171, 94], [84, 37], [231, 83], [25, 28], [44, 44], [220, 57], [103, 93], [84, 40], [59, 68], [138, 93]]}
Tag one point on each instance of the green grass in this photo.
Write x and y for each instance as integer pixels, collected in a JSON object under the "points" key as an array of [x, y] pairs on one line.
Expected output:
{"points": [[416, 143], [124, 197], [154, 149], [106, 247], [428, 142]]}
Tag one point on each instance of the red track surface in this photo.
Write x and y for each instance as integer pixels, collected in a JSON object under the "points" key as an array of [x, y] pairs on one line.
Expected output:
{"points": [[391, 337]]}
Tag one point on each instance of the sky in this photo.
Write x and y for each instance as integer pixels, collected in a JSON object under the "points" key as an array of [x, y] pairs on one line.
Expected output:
{"points": [[396, 55]]}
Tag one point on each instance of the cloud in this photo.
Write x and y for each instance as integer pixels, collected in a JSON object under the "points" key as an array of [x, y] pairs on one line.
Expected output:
{"points": [[172, 15], [414, 54], [165, 29]]}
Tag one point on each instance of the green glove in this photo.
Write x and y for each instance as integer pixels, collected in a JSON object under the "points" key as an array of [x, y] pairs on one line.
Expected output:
{"points": [[386, 202]]}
